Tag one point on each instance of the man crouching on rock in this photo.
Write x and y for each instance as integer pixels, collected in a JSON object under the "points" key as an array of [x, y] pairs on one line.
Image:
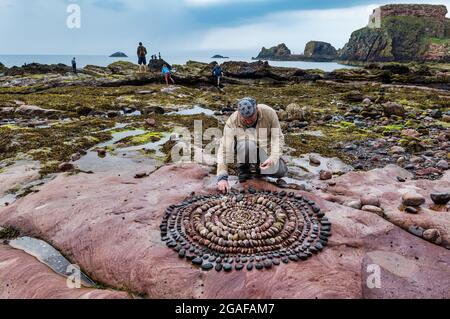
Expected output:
{"points": [[253, 132]]}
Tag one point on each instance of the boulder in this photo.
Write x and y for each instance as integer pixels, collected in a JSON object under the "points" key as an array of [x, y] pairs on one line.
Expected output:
{"points": [[37, 68], [118, 55], [413, 199], [320, 51], [280, 51], [392, 108]]}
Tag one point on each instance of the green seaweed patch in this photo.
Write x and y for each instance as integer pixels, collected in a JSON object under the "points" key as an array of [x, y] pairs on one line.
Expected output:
{"points": [[149, 137], [53, 145], [326, 144], [8, 232]]}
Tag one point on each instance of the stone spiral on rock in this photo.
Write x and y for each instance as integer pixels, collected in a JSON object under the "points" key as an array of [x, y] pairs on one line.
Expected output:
{"points": [[255, 230]]}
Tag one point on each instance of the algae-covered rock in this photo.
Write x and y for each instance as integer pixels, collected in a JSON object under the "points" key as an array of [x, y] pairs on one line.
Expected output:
{"points": [[320, 51], [123, 68], [37, 68], [278, 52], [3, 68], [401, 38]]}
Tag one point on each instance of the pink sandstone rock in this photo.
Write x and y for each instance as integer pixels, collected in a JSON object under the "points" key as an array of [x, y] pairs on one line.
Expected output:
{"points": [[24, 277], [109, 226]]}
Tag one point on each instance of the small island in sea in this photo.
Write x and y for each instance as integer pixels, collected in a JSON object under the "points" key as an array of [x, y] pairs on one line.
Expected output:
{"points": [[118, 55], [218, 56]]}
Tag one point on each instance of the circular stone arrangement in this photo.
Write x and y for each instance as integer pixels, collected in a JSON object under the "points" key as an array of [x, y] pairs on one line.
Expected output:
{"points": [[254, 230]]}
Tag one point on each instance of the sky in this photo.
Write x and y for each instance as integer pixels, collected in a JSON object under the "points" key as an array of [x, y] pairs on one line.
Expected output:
{"points": [[180, 27]]}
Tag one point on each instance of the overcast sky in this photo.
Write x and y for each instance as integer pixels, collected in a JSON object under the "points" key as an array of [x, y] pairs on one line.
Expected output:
{"points": [[180, 26]]}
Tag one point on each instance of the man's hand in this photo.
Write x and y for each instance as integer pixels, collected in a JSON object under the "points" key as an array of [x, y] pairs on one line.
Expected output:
{"points": [[224, 187], [267, 164]]}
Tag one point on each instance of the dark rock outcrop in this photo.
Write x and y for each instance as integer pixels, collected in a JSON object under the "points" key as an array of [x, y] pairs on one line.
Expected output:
{"points": [[401, 38], [3, 68], [157, 64], [281, 51], [218, 56], [320, 51], [118, 55], [37, 68]]}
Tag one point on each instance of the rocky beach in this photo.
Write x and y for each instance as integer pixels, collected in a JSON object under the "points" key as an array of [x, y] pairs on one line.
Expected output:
{"points": [[86, 168], [108, 186]]}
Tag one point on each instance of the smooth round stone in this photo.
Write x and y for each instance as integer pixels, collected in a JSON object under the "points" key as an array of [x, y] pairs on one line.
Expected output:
{"points": [[259, 266], [411, 210], [302, 256], [293, 257], [207, 266], [276, 262], [268, 264], [219, 267], [197, 261], [239, 267], [227, 267], [440, 198], [250, 266], [182, 253], [285, 259], [244, 260]]}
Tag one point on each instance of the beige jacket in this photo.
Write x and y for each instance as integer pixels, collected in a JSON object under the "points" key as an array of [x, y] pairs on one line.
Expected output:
{"points": [[268, 135]]}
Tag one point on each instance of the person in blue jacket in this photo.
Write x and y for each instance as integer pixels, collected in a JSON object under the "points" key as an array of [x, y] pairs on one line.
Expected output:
{"points": [[166, 74], [218, 73]]}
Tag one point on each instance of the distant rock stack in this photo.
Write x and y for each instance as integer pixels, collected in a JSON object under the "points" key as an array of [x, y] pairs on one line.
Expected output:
{"points": [[402, 33], [279, 52], [320, 51], [3, 68]]}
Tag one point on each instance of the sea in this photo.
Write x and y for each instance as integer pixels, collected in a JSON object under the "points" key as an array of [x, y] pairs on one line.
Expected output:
{"points": [[101, 60]]}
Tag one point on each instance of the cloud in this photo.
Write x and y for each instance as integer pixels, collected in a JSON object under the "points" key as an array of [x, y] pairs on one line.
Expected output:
{"points": [[295, 28]]}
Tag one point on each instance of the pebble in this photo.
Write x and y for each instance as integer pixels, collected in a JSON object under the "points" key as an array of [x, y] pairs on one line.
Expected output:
{"points": [[219, 267], [373, 209], [239, 267], [433, 235], [207, 266], [413, 199], [411, 210], [250, 266], [227, 267], [370, 200], [325, 175], [197, 261], [416, 230], [259, 266], [268, 264], [440, 198]]}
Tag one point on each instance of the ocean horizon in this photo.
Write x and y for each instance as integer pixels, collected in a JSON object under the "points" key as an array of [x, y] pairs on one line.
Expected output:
{"points": [[103, 60]]}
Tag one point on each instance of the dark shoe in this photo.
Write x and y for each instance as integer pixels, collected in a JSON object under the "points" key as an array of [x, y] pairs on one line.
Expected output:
{"points": [[244, 173]]}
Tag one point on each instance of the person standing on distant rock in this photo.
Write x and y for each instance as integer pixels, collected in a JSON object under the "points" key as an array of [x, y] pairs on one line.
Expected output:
{"points": [[253, 132], [218, 73], [74, 66], [166, 74], [142, 57]]}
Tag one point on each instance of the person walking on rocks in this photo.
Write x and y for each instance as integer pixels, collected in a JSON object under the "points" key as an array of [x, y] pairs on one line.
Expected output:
{"points": [[218, 73], [142, 58], [74, 66], [166, 74], [253, 133]]}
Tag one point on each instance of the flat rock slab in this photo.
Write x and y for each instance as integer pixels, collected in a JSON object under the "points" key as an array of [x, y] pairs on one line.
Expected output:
{"points": [[384, 184], [24, 277], [109, 226]]}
